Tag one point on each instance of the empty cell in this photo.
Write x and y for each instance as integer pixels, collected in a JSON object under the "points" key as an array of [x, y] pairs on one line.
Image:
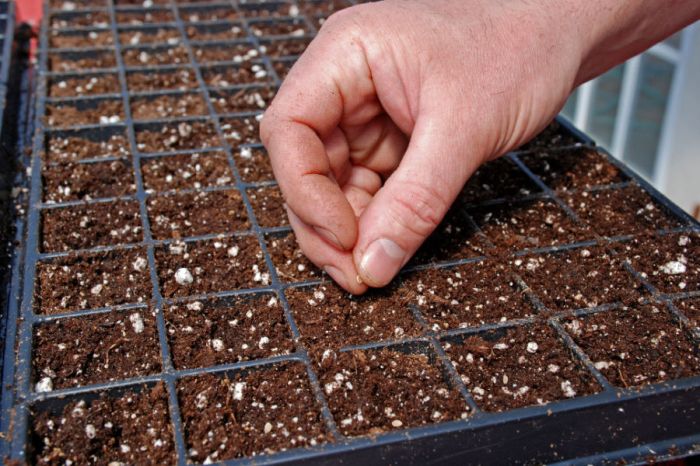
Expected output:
{"points": [[78, 40], [617, 212], [227, 330], [89, 281], [528, 224], [514, 367], [230, 75], [67, 20], [554, 135], [185, 135], [671, 263], [330, 317], [290, 262], [578, 278], [575, 168], [139, 17], [276, 48], [238, 52], [73, 146], [204, 13], [85, 112], [248, 413], [454, 239], [498, 179], [268, 206], [286, 27], [119, 425], [248, 99], [375, 391], [87, 226], [150, 35], [241, 130], [63, 62], [222, 264], [181, 215], [216, 32], [469, 295], [636, 345], [150, 56], [253, 164], [81, 85], [186, 171], [168, 106], [80, 351], [171, 79], [86, 181]]}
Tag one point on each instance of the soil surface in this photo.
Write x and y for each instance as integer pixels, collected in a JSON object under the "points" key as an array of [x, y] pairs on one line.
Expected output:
{"points": [[213, 265], [186, 171], [98, 38], [291, 264], [521, 366], [168, 106], [91, 225], [277, 48], [60, 62], [671, 263], [282, 67], [129, 428], [455, 238], [620, 212], [237, 53], [225, 76], [253, 164], [265, 9], [80, 19], [76, 147], [181, 136], [578, 278], [467, 296], [268, 206], [101, 112], [329, 317], [575, 168], [150, 56], [97, 348], [139, 16], [326, 7], [553, 135], [170, 36], [220, 32], [90, 281], [249, 413], [83, 86], [196, 213], [203, 13], [85, 181], [636, 346], [241, 130], [249, 99], [691, 309], [227, 330], [176, 79], [498, 179], [293, 27], [371, 392], [528, 224]]}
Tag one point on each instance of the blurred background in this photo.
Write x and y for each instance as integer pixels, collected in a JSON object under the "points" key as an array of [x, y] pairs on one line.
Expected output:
{"points": [[647, 113]]}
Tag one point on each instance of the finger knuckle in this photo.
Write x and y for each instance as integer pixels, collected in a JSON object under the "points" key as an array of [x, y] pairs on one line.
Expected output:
{"points": [[420, 208]]}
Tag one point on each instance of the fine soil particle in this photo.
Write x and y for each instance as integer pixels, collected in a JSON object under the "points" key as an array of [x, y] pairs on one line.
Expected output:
{"points": [[177, 79], [671, 263], [253, 164], [268, 206], [455, 238], [177, 136], [292, 27], [97, 348], [150, 56], [578, 278], [291, 264], [91, 225], [59, 62], [225, 76], [83, 86], [85, 181], [197, 213], [129, 428], [220, 32], [90, 281], [248, 99], [276, 48], [529, 224], [553, 135], [467, 296], [521, 366], [371, 392], [186, 171], [237, 53], [168, 106], [220, 331], [242, 130], [636, 346], [329, 317], [617, 212], [74, 147], [249, 413], [140, 16], [575, 168], [171, 36], [202, 13], [100, 112], [210, 266], [282, 67], [76, 41], [498, 179], [691, 309], [82, 19]]}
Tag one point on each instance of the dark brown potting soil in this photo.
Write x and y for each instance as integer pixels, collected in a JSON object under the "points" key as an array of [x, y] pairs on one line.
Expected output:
{"points": [[268, 205], [276, 48], [83, 86], [249, 99], [203, 14], [498, 179], [81, 146], [150, 56], [60, 62], [291, 264], [186, 171], [175, 79], [294, 27], [101, 112], [236, 52], [134, 37], [220, 32], [95, 19], [140, 16], [253, 164], [455, 238], [554, 135], [241, 130], [225, 76], [690, 307], [177, 136], [168, 106], [97, 38], [85, 181]]}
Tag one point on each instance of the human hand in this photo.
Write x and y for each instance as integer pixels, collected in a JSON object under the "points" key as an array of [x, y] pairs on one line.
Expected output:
{"points": [[395, 104]]}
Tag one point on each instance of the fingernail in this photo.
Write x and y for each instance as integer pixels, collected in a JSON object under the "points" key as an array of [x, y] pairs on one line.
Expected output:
{"points": [[335, 274], [381, 261], [329, 236]]}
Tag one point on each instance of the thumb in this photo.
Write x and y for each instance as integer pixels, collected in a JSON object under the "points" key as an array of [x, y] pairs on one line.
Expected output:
{"points": [[414, 199]]}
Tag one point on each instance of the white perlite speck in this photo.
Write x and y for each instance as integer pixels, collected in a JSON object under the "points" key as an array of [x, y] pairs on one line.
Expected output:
{"points": [[238, 390], [553, 368], [217, 345], [140, 264], [44, 385], [396, 423], [683, 241], [183, 276], [90, 431], [136, 322], [246, 153], [568, 390], [673, 268], [268, 428], [97, 289], [233, 251], [263, 341], [532, 347]]}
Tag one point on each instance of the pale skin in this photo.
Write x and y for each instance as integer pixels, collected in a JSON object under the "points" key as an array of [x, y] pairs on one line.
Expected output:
{"points": [[396, 103]]}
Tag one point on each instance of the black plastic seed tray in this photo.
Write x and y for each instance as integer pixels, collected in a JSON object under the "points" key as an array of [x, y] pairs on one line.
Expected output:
{"points": [[221, 62]]}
